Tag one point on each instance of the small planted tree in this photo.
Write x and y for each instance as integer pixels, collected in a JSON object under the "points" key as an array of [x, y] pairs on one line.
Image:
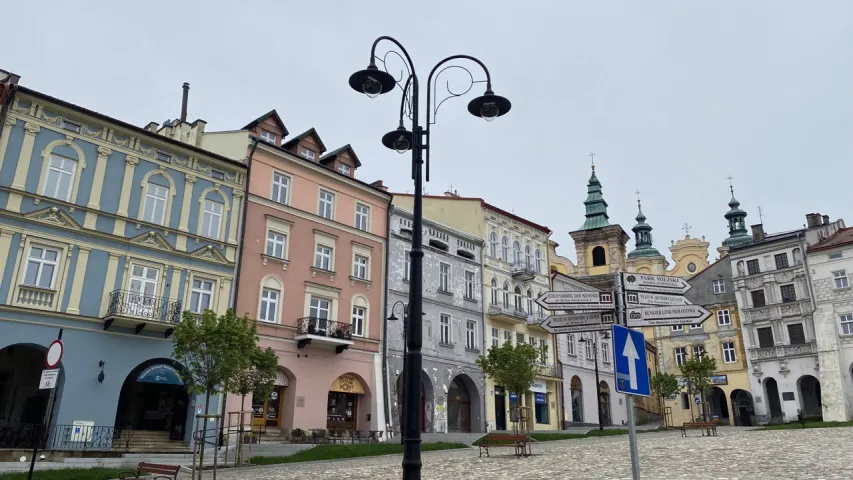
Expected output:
{"points": [[698, 372], [257, 376], [665, 385], [212, 350], [512, 366]]}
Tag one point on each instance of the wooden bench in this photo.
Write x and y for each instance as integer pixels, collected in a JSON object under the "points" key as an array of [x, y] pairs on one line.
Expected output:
{"points": [[710, 427], [169, 472], [521, 443]]}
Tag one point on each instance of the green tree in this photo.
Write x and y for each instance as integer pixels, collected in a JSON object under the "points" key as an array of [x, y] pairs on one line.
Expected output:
{"points": [[256, 376], [698, 372], [212, 350], [665, 385], [513, 367]]}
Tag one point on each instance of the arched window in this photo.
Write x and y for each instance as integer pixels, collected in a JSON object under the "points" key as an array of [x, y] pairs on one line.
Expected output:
{"points": [[158, 188], [493, 244], [530, 301], [506, 295], [539, 307], [598, 257], [494, 291], [516, 252], [360, 314], [214, 209], [528, 255], [269, 305], [505, 249], [519, 307], [538, 261]]}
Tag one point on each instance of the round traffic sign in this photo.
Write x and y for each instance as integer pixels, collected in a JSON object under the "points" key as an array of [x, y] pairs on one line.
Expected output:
{"points": [[54, 354]]}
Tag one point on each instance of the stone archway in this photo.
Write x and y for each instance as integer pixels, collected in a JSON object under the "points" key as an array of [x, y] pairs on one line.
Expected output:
{"points": [[604, 403], [463, 405], [576, 389], [22, 404], [810, 400], [277, 409], [742, 408], [348, 398], [719, 405], [771, 395], [154, 398], [426, 404]]}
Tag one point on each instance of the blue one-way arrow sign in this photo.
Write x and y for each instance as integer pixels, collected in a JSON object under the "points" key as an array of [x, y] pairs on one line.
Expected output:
{"points": [[629, 348]]}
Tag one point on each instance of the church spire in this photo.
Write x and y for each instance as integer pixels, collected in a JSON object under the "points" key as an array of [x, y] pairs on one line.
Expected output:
{"points": [[736, 217], [596, 207], [642, 235]]}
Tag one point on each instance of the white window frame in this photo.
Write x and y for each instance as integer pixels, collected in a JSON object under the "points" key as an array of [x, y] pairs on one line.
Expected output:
{"points": [[209, 215], [840, 280], [538, 261], [493, 245], [680, 356], [320, 256], [360, 267], [543, 351], [358, 319], [836, 256], [516, 252], [508, 336], [272, 305], [268, 137], [362, 219], [345, 169], [281, 188], [505, 248], [570, 340], [699, 350], [729, 352], [496, 337], [40, 263], [198, 293], [307, 153], [845, 324], [152, 197], [588, 350], [605, 353], [444, 274], [471, 334], [445, 321], [470, 280], [677, 328], [326, 201], [407, 265], [275, 243], [59, 173], [724, 317], [719, 286]]}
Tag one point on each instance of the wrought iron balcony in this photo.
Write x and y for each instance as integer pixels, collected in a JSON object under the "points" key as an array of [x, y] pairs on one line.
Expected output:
{"points": [[782, 351], [507, 312], [536, 318], [523, 270], [142, 311], [324, 332]]}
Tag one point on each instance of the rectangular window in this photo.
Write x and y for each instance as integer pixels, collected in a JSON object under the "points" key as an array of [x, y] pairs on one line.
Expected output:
{"points": [[143, 286], [519, 338], [507, 336], [276, 244], [571, 341], [444, 277], [359, 267], [268, 137], [496, 337], [677, 328], [796, 334], [280, 186], [41, 267], [269, 305], [327, 204], [531, 340], [71, 126], [835, 256], [307, 153], [729, 355], [543, 351], [723, 317], [680, 355], [765, 337], [471, 335], [201, 295], [211, 221], [752, 267], [445, 329], [164, 157], [408, 265], [698, 351], [781, 260], [757, 298], [345, 169], [358, 321], [840, 279], [719, 286], [788, 293], [320, 309], [60, 178], [605, 353], [323, 258], [846, 322], [362, 217], [217, 174], [469, 285], [155, 204], [588, 347]]}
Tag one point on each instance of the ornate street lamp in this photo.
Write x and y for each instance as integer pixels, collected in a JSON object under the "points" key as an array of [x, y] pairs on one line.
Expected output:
{"points": [[373, 81]]}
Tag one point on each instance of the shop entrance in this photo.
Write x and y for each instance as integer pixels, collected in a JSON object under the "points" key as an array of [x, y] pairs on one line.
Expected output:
{"points": [[267, 411], [154, 398], [342, 406]]}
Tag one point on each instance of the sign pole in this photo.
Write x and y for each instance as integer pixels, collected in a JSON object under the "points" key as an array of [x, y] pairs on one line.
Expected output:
{"points": [[632, 439]]}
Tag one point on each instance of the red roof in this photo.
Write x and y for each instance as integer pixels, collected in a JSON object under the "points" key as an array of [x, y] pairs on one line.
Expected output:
{"points": [[841, 237], [485, 205]]}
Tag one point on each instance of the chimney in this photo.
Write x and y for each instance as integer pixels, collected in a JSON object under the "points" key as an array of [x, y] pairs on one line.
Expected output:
{"points": [[378, 184], [758, 232], [186, 88], [826, 219], [813, 220]]}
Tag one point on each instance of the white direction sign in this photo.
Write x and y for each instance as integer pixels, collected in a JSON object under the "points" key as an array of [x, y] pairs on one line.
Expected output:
{"points": [[646, 298], [48, 379], [667, 316], [641, 282], [576, 301], [582, 322]]}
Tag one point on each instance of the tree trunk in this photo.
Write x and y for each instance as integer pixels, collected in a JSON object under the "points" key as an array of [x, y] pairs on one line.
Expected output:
{"points": [[242, 420], [204, 434]]}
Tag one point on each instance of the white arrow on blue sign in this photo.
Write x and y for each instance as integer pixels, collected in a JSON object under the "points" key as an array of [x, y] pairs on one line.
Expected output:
{"points": [[631, 368]]}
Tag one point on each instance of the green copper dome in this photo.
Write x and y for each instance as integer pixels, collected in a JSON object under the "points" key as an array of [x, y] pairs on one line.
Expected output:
{"points": [[596, 207], [736, 217], [643, 236]]}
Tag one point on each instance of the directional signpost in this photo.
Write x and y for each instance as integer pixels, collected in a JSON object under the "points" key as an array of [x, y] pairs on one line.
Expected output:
{"points": [[577, 323], [667, 316], [641, 282], [576, 301], [646, 298], [632, 378]]}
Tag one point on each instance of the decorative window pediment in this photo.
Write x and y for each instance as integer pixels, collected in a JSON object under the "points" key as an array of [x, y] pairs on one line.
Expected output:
{"points": [[152, 239], [53, 216], [209, 252]]}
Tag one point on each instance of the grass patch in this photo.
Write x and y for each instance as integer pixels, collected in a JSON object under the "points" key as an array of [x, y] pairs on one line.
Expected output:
{"points": [[808, 424], [607, 432], [67, 474], [332, 452]]}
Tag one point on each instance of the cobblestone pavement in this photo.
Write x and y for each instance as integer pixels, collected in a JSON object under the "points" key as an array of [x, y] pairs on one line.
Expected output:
{"points": [[735, 453]]}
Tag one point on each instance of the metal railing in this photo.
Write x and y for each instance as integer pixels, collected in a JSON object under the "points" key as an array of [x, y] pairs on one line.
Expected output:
{"points": [[66, 437], [507, 309], [523, 267], [147, 307], [547, 370], [324, 327]]}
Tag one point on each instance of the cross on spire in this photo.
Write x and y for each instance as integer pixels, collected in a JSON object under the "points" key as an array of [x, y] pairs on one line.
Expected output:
{"points": [[686, 229], [731, 187], [592, 157], [637, 193]]}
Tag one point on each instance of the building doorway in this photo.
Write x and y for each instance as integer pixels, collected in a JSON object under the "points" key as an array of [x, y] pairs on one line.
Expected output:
{"points": [[342, 406], [719, 404], [774, 404], [458, 406], [154, 398], [742, 408], [21, 401], [810, 401], [604, 402], [425, 403], [500, 408], [577, 399]]}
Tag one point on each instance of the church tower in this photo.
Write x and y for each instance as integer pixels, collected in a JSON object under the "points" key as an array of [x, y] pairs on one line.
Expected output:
{"points": [[736, 217], [600, 246], [645, 258]]}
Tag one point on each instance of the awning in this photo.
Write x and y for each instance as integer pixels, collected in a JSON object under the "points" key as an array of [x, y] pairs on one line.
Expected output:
{"points": [[281, 379], [347, 383], [538, 386], [160, 373]]}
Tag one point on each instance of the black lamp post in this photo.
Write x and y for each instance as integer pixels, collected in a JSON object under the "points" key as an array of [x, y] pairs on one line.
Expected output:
{"points": [[372, 82]]}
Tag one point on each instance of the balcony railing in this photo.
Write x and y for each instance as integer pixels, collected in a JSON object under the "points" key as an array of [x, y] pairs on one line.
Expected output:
{"points": [[536, 318], [322, 327], [783, 351], [546, 370], [144, 307], [777, 311], [36, 297], [507, 310], [65, 437], [523, 270]]}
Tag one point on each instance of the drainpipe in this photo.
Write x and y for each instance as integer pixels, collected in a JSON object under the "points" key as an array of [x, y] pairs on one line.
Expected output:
{"points": [[385, 399]]}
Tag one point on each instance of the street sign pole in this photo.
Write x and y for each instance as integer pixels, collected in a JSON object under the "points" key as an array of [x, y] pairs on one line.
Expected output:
{"points": [[621, 319]]}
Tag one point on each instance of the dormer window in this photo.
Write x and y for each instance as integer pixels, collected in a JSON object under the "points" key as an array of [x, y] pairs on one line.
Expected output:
{"points": [[71, 126], [217, 174], [307, 153], [268, 137], [345, 169], [164, 157]]}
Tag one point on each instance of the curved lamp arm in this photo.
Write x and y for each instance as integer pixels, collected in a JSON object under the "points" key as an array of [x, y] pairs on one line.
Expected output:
{"points": [[399, 45]]}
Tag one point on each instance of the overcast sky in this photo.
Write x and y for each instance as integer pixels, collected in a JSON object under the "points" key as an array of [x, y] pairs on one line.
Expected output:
{"points": [[671, 96]]}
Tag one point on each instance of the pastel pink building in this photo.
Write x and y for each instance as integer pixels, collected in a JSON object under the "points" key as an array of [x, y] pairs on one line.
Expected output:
{"points": [[312, 274]]}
